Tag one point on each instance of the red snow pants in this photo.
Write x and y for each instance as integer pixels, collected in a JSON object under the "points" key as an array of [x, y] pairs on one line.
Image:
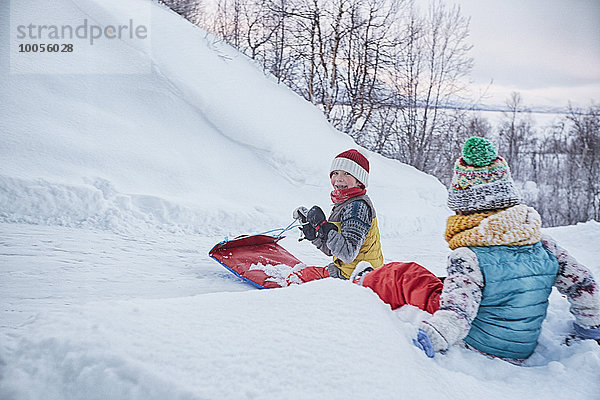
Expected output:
{"points": [[308, 274], [396, 283], [399, 283]]}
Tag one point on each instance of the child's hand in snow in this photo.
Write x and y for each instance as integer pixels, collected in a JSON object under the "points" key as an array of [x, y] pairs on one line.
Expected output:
{"points": [[582, 333], [424, 343], [587, 333]]}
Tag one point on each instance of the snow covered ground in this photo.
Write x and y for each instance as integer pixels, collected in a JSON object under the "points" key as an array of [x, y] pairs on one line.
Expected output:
{"points": [[114, 187]]}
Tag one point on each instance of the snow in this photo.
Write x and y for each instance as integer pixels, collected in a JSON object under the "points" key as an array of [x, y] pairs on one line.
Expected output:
{"points": [[113, 188]]}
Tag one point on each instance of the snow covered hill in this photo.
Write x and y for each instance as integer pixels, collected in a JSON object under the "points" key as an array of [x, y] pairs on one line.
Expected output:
{"points": [[113, 187], [203, 142]]}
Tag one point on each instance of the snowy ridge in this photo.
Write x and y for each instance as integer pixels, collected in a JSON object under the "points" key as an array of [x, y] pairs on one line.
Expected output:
{"points": [[98, 205]]}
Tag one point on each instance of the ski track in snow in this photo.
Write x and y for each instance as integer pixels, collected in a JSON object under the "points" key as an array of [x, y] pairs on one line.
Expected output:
{"points": [[63, 266]]}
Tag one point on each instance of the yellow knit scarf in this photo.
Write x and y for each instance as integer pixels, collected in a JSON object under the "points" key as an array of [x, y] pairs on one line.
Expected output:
{"points": [[515, 226]]}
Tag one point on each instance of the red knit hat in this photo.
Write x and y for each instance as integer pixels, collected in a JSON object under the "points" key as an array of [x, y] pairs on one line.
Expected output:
{"points": [[354, 163]]}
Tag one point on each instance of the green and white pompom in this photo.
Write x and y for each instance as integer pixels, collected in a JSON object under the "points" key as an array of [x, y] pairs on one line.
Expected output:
{"points": [[479, 151]]}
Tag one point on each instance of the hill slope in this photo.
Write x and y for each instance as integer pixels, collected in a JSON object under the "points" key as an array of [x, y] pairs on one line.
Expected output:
{"points": [[203, 140]]}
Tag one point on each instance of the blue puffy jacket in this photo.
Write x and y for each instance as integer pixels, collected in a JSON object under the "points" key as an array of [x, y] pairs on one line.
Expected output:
{"points": [[517, 283]]}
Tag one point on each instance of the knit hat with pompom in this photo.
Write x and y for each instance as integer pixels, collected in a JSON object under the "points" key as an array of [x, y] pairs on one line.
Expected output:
{"points": [[481, 180]]}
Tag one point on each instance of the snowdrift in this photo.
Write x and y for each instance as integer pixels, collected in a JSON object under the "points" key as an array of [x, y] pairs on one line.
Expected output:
{"points": [[325, 339]]}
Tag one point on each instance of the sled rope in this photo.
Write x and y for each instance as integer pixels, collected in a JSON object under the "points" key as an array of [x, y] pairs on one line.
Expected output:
{"points": [[281, 231]]}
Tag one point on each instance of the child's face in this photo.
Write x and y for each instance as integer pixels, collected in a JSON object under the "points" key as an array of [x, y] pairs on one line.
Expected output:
{"points": [[343, 180]]}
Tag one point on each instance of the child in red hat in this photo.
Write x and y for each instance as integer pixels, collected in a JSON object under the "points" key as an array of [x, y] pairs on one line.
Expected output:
{"points": [[350, 234]]}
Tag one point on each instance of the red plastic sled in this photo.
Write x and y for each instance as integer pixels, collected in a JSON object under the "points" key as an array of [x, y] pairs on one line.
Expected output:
{"points": [[257, 259]]}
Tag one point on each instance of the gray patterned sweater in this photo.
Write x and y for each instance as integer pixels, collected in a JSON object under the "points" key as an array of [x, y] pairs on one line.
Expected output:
{"points": [[355, 216]]}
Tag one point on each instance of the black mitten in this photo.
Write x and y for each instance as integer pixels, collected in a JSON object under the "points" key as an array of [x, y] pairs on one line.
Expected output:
{"points": [[325, 228], [309, 232], [316, 218]]}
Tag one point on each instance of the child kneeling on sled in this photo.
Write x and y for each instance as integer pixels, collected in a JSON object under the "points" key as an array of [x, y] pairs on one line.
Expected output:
{"points": [[350, 234], [502, 269]]}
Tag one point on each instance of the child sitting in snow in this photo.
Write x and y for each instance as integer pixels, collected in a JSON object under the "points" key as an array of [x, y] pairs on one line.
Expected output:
{"points": [[502, 269], [350, 234]]}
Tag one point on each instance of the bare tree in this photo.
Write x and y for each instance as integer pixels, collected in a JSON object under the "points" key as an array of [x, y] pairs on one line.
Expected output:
{"points": [[431, 61], [192, 10], [585, 160], [367, 54], [226, 22], [515, 133]]}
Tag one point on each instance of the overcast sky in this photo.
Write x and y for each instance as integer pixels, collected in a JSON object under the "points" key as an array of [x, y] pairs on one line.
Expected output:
{"points": [[548, 50]]}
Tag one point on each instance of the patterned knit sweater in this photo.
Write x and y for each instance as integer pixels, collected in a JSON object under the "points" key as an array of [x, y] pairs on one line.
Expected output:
{"points": [[461, 296], [355, 222]]}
